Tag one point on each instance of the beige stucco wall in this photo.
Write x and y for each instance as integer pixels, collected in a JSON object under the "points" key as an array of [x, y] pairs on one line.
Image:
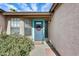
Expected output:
{"points": [[2, 23], [64, 29]]}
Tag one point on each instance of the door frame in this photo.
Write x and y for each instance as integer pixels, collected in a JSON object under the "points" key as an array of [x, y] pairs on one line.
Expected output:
{"points": [[39, 19]]}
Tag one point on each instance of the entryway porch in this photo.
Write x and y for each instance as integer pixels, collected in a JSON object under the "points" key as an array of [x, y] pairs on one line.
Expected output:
{"points": [[42, 49]]}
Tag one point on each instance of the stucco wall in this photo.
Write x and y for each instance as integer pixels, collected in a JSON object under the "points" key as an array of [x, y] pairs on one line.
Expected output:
{"points": [[64, 29], [2, 23]]}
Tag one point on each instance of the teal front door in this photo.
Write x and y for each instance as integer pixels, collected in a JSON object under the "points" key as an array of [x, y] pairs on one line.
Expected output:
{"points": [[38, 30]]}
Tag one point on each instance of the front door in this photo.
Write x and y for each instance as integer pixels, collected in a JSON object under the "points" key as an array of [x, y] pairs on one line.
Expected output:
{"points": [[38, 30]]}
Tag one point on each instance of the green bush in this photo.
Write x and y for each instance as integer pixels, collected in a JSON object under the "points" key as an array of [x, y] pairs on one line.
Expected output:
{"points": [[12, 45]]}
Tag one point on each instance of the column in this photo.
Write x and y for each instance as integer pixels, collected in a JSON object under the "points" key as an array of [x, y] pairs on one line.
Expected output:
{"points": [[21, 27], [8, 27]]}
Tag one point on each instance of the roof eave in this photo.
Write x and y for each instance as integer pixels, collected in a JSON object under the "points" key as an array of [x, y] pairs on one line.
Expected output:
{"points": [[53, 7], [24, 13]]}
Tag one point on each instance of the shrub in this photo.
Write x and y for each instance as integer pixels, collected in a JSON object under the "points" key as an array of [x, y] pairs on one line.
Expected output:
{"points": [[11, 45]]}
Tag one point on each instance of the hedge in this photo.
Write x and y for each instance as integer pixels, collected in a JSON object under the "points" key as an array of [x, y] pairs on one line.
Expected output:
{"points": [[13, 45]]}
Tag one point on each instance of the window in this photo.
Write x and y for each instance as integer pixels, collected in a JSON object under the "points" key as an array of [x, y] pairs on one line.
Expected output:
{"points": [[27, 28], [46, 29], [38, 25], [15, 25]]}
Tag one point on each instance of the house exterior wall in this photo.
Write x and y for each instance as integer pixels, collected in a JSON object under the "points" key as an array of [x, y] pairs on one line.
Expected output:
{"points": [[2, 23], [64, 29]]}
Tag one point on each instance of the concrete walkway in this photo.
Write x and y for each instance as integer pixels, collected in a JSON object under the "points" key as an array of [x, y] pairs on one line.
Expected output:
{"points": [[42, 50]]}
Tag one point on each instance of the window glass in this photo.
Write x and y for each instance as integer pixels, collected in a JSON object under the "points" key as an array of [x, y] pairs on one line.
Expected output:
{"points": [[14, 30], [27, 31], [15, 23], [46, 29], [27, 27]]}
